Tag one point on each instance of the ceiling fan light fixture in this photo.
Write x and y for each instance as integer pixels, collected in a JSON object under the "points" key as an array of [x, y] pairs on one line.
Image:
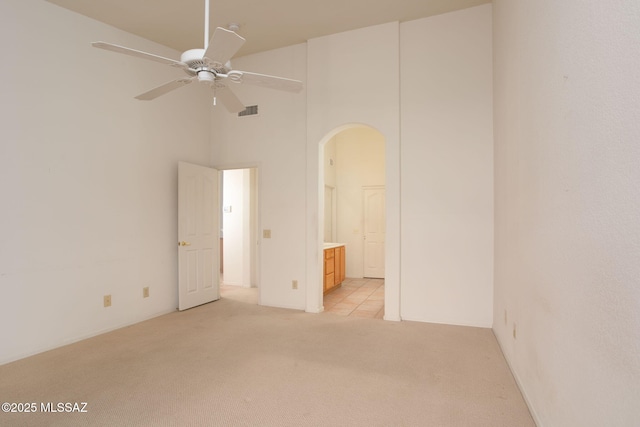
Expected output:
{"points": [[205, 76]]}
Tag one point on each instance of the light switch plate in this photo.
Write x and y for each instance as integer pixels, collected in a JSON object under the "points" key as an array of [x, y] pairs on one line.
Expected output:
{"points": [[266, 234]]}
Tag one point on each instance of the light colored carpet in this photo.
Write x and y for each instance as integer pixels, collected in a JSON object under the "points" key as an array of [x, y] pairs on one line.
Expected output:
{"points": [[233, 363]]}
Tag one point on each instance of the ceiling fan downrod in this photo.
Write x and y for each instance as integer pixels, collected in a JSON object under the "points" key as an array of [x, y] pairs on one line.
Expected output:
{"points": [[206, 24]]}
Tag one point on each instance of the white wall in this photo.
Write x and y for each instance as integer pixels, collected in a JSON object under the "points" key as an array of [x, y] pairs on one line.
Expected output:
{"points": [[88, 178], [346, 85], [330, 156], [567, 97], [330, 202], [447, 168], [359, 163], [272, 141], [446, 163]]}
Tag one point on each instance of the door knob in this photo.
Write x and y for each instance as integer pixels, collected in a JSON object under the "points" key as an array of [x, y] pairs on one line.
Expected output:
{"points": [[184, 244]]}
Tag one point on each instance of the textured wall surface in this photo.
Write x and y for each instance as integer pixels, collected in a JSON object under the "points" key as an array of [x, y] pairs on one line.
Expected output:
{"points": [[447, 168], [567, 156], [88, 178]]}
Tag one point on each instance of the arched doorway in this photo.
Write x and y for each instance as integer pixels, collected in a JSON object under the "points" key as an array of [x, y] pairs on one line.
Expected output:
{"points": [[315, 217], [353, 207]]}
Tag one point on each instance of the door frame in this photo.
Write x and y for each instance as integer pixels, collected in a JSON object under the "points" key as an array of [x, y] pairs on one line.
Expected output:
{"points": [[257, 252], [315, 217]]}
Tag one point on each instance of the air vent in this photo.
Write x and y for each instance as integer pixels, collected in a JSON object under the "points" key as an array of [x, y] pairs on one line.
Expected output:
{"points": [[251, 110]]}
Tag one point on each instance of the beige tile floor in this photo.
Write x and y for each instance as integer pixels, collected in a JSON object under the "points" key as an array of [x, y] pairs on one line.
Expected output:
{"points": [[357, 298]]}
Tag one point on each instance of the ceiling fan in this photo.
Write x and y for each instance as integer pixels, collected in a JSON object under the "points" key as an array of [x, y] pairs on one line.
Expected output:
{"points": [[210, 66]]}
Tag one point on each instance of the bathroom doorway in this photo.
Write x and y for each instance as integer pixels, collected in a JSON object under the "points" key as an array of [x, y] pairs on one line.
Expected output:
{"points": [[353, 163]]}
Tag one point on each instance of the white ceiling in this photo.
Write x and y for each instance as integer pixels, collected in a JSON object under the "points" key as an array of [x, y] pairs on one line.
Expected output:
{"points": [[266, 24]]}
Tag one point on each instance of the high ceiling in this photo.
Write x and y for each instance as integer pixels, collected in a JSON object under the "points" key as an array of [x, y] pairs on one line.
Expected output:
{"points": [[266, 24]]}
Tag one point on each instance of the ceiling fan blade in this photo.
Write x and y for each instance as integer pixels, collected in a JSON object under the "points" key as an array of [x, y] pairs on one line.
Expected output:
{"points": [[229, 99], [140, 54], [223, 45], [162, 89], [272, 82]]}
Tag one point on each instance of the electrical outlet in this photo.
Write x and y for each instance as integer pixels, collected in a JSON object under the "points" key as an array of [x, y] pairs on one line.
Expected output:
{"points": [[294, 284], [266, 234], [145, 292], [514, 331], [107, 300]]}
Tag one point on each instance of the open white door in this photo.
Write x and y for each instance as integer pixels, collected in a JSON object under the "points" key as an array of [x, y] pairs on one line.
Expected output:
{"points": [[198, 236]]}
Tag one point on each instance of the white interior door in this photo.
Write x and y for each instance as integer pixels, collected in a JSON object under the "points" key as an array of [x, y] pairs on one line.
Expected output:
{"points": [[374, 231], [198, 236]]}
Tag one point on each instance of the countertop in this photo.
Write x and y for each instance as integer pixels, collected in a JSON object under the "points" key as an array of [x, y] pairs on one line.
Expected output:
{"points": [[328, 245]]}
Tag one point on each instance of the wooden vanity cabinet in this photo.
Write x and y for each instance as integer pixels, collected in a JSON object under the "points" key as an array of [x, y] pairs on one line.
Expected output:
{"points": [[334, 268], [340, 260]]}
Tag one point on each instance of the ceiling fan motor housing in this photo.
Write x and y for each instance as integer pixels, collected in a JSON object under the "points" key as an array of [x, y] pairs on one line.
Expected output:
{"points": [[205, 71], [194, 59]]}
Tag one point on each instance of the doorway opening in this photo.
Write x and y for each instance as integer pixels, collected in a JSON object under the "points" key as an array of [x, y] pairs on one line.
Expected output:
{"points": [[353, 210], [238, 234]]}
